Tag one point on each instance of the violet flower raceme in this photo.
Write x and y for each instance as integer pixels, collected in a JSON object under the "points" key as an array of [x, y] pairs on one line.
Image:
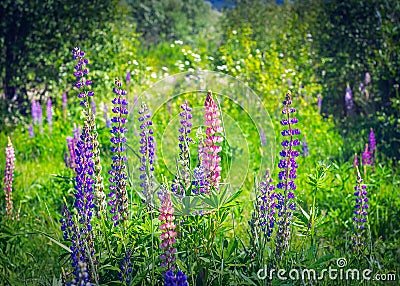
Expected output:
{"points": [[125, 267], [39, 115], [168, 233], [128, 77], [70, 229], [210, 157], [83, 277], [83, 85], [147, 151], [266, 205], [356, 163], [31, 132], [372, 145], [34, 113], [360, 211], [118, 193], [172, 279], [287, 175], [8, 178], [84, 196], [366, 156], [70, 160], [199, 180], [319, 103], [49, 113], [348, 100], [182, 179]]}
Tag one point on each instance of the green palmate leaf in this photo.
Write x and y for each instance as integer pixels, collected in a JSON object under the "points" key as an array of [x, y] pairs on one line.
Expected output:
{"points": [[185, 206], [220, 200]]}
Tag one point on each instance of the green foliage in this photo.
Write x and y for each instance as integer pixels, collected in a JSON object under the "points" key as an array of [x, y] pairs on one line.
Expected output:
{"points": [[170, 19], [310, 47], [35, 38]]}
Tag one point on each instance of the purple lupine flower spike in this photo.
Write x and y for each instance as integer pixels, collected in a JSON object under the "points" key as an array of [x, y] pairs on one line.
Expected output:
{"points": [[372, 142], [266, 205], [71, 230], [35, 119], [181, 278], [287, 175], [84, 196], [182, 179], [366, 159], [366, 156], [348, 99], [199, 180], [83, 84], [319, 103], [72, 146], [125, 267], [147, 151], [356, 163], [8, 178], [172, 279], [88, 182], [128, 77], [31, 132], [372, 145], [83, 277], [118, 176], [49, 113], [360, 212], [39, 115]]}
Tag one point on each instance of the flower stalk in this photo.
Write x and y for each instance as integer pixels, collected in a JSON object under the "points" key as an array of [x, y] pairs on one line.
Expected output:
{"points": [[287, 175], [83, 84], [182, 179], [210, 149], [118, 176], [8, 178]]}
